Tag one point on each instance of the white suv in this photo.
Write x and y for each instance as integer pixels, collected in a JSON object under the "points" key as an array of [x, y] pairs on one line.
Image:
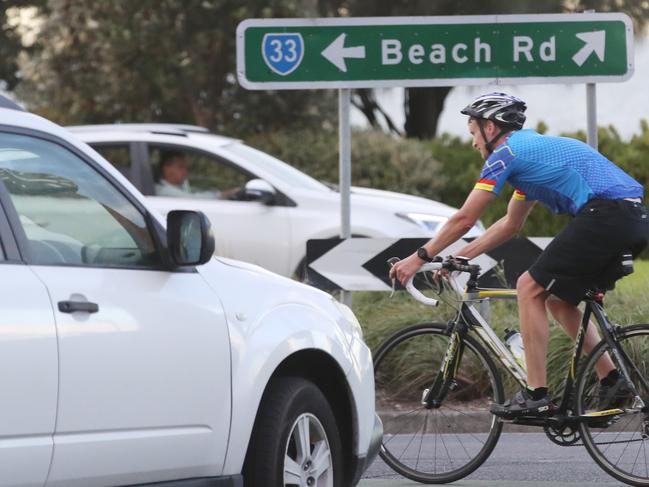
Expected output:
{"points": [[129, 355], [278, 208]]}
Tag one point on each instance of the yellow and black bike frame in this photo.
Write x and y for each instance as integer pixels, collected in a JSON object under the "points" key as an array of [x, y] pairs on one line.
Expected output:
{"points": [[470, 319]]}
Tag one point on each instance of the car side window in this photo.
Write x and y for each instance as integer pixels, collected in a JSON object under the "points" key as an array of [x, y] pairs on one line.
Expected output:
{"points": [[119, 155], [185, 173], [70, 213]]}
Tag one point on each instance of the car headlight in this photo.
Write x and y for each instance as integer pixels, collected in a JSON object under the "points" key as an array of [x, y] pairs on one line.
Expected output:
{"points": [[429, 223], [349, 316]]}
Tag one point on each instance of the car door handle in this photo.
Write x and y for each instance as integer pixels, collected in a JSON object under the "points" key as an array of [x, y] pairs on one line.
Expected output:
{"points": [[72, 306]]}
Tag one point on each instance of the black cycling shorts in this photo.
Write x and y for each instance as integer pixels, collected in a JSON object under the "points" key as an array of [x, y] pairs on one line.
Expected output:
{"points": [[587, 253]]}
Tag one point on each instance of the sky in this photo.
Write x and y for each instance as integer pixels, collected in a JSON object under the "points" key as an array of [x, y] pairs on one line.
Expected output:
{"points": [[561, 106]]}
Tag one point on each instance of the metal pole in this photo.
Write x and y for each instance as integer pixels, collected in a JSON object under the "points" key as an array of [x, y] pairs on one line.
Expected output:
{"points": [[591, 114], [345, 167], [591, 108]]}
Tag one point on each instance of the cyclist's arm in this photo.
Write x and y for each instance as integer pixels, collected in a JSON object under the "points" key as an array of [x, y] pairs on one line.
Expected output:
{"points": [[501, 231], [460, 223]]}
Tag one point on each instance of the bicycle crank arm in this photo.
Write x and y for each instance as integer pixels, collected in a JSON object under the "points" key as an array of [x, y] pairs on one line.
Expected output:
{"points": [[601, 419]]}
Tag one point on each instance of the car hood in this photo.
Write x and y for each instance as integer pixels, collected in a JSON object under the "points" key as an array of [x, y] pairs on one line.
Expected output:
{"points": [[239, 283], [398, 201], [259, 273], [378, 199]]}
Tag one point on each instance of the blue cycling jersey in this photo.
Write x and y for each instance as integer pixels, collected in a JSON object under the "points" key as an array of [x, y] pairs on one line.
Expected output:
{"points": [[560, 172]]}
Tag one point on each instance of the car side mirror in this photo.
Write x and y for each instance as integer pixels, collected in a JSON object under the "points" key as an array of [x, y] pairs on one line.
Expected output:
{"points": [[259, 190], [189, 237]]}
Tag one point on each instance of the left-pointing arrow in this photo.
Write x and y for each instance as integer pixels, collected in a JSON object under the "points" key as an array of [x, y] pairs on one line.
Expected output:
{"points": [[336, 52]]}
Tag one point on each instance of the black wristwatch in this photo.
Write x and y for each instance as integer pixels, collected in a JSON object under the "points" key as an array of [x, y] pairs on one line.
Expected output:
{"points": [[423, 254]]}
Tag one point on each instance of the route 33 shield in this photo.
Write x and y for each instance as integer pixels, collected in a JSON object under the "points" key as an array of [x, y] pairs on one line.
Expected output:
{"points": [[283, 52]]}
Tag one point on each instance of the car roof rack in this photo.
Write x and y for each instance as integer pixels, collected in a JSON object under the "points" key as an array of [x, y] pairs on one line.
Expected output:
{"points": [[157, 128], [6, 102]]}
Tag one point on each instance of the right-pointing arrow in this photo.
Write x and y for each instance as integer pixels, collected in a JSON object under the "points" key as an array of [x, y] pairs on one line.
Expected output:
{"points": [[595, 42]]}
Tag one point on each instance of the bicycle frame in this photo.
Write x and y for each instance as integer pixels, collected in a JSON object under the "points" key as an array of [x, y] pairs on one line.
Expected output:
{"points": [[469, 315]]}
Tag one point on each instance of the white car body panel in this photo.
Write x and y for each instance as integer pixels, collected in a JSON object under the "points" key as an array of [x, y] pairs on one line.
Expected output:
{"points": [[29, 378], [149, 372], [294, 317]]}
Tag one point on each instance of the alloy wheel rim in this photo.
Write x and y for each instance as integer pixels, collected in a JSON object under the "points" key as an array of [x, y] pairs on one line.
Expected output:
{"points": [[307, 456]]}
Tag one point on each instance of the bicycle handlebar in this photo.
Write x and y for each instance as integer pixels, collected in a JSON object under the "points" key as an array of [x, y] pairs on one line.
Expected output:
{"points": [[450, 264], [416, 293]]}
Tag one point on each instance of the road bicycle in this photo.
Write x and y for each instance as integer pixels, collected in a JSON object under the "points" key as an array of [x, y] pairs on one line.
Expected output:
{"points": [[435, 382]]}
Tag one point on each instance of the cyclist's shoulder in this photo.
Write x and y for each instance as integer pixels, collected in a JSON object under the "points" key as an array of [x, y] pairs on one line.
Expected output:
{"points": [[529, 139], [526, 138], [533, 148], [513, 146]]}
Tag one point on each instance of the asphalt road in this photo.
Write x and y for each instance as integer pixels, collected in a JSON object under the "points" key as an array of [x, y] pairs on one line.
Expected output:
{"points": [[519, 459]]}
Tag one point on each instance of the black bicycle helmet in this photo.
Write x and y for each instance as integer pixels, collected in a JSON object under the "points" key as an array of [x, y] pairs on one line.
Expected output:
{"points": [[502, 108]]}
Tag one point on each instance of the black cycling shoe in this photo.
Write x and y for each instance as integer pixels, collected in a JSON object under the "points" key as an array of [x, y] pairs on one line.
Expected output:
{"points": [[521, 405], [612, 397]]}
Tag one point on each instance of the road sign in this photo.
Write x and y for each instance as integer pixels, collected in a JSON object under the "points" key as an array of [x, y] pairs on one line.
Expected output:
{"points": [[368, 52], [360, 264]]}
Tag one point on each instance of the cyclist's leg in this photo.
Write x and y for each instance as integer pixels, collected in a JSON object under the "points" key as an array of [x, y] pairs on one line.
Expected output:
{"points": [[576, 260], [535, 328], [570, 316], [532, 401]]}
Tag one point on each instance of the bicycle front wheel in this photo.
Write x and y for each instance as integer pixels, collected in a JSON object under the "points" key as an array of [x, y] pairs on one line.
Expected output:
{"points": [[443, 444], [621, 448]]}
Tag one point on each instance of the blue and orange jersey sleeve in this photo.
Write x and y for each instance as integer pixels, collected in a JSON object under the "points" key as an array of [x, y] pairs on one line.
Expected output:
{"points": [[519, 195], [496, 170]]}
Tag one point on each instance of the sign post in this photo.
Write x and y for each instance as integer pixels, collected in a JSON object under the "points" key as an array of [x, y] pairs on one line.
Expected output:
{"points": [[345, 171], [373, 52]]}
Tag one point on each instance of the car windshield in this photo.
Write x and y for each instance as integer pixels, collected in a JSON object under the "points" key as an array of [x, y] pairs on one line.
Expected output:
{"points": [[268, 163]]}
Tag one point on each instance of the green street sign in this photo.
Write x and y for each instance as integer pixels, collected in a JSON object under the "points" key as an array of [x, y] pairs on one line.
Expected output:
{"points": [[368, 52]]}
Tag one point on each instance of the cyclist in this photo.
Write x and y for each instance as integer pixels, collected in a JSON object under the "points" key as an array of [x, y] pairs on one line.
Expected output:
{"points": [[567, 176]]}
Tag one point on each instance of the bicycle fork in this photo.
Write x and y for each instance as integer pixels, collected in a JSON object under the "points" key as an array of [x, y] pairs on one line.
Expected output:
{"points": [[445, 382]]}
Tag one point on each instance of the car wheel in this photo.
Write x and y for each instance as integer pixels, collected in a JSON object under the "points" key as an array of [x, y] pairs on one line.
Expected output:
{"points": [[295, 440]]}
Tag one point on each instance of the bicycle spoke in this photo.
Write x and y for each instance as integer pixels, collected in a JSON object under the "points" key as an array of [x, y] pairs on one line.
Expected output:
{"points": [[394, 436], [453, 409], [408, 445], [460, 442]]}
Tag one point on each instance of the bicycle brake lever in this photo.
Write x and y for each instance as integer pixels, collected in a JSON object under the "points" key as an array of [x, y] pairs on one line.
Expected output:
{"points": [[391, 262]]}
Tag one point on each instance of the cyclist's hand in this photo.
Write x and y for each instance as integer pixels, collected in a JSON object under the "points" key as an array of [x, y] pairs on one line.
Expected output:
{"points": [[406, 268], [449, 265], [440, 275]]}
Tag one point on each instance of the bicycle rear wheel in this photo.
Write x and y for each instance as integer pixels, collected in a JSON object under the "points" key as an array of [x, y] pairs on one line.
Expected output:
{"points": [[442, 444], [620, 448]]}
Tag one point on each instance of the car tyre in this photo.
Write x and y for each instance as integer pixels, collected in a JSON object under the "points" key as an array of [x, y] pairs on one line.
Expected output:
{"points": [[295, 439]]}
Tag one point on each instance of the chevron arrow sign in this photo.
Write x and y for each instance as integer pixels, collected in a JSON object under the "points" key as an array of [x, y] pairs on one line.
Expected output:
{"points": [[360, 264]]}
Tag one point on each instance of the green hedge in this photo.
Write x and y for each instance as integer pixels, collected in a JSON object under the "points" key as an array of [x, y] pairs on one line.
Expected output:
{"points": [[443, 169]]}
